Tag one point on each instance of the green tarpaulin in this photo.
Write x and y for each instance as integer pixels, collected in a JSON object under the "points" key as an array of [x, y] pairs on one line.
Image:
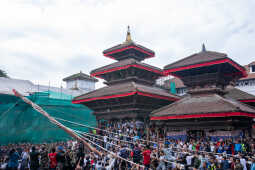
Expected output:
{"points": [[20, 123]]}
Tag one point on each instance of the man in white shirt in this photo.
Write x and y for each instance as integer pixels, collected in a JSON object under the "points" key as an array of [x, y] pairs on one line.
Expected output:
{"points": [[189, 160], [243, 162]]}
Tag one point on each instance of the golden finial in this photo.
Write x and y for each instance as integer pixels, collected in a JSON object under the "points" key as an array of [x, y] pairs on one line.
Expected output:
{"points": [[128, 38]]}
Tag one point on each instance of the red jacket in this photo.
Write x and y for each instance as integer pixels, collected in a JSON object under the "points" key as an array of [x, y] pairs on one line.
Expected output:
{"points": [[146, 157], [53, 160]]}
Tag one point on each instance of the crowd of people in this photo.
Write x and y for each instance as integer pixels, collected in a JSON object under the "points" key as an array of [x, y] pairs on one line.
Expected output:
{"points": [[126, 145]]}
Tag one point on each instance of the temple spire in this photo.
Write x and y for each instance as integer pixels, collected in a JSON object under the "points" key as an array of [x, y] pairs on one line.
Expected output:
{"points": [[203, 48], [128, 38]]}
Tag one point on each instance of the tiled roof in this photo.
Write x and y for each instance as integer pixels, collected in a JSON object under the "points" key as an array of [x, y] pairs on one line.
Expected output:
{"points": [[26, 87], [81, 76], [127, 44], [237, 94], [122, 63], [125, 88], [201, 104], [178, 82], [204, 56]]}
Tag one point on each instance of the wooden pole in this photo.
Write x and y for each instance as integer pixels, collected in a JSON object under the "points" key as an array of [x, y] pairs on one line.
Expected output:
{"points": [[147, 129], [54, 121], [157, 141]]}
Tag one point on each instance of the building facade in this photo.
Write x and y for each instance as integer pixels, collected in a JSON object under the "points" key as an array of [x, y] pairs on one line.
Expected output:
{"points": [[80, 81]]}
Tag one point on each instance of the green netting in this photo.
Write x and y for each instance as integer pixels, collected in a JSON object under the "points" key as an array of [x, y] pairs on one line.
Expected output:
{"points": [[23, 124], [53, 95]]}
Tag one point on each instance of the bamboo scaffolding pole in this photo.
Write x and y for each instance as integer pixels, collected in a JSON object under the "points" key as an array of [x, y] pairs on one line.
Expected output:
{"points": [[54, 121]]}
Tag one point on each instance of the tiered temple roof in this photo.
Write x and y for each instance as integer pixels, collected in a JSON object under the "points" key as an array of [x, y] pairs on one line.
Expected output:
{"points": [[131, 90], [203, 61], [124, 64], [207, 75], [126, 89]]}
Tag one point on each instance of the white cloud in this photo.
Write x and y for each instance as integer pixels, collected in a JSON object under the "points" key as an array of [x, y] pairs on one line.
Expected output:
{"points": [[46, 40]]}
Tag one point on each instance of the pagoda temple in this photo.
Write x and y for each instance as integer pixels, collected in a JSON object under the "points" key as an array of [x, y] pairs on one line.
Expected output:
{"points": [[130, 92], [206, 108]]}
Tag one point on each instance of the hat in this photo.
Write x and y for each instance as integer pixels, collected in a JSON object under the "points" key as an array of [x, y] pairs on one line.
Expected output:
{"points": [[60, 148]]}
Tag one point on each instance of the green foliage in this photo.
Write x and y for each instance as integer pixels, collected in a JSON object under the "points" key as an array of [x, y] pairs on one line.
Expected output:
{"points": [[3, 73]]}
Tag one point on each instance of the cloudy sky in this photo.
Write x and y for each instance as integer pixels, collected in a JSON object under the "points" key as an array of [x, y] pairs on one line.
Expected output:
{"points": [[47, 40]]}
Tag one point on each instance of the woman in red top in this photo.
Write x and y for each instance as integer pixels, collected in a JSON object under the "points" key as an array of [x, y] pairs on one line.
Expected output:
{"points": [[147, 157], [53, 160]]}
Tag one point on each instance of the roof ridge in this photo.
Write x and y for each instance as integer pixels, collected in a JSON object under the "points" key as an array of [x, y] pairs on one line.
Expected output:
{"points": [[193, 55], [93, 91], [126, 62], [229, 102], [229, 89], [240, 103], [180, 60]]}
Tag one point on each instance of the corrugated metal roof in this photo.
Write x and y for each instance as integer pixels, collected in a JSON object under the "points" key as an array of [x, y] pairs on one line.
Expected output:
{"points": [[26, 87]]}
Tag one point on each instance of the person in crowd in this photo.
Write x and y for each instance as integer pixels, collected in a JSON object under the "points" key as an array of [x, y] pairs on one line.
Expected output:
{"points": [[243, 162], [53, 159], [25, 159], [238, 147], [13, 160], [60, 158], [147, 157], [80, 154], [124, 154], [252, 164], [213, 165], [34, 159], [196, 161], [44, 159], [225, 164], [137, 154], [68, 159], [162, 163], [238, 165]]}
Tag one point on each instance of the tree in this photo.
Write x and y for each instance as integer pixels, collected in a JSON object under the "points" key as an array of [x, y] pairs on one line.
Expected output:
{"points": [[3, 73]]}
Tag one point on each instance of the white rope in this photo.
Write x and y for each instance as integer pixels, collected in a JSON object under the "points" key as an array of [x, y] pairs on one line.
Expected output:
{"points": [[99, 139], [103, 130], [115, 155], [131, 149], [124, 141]]}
